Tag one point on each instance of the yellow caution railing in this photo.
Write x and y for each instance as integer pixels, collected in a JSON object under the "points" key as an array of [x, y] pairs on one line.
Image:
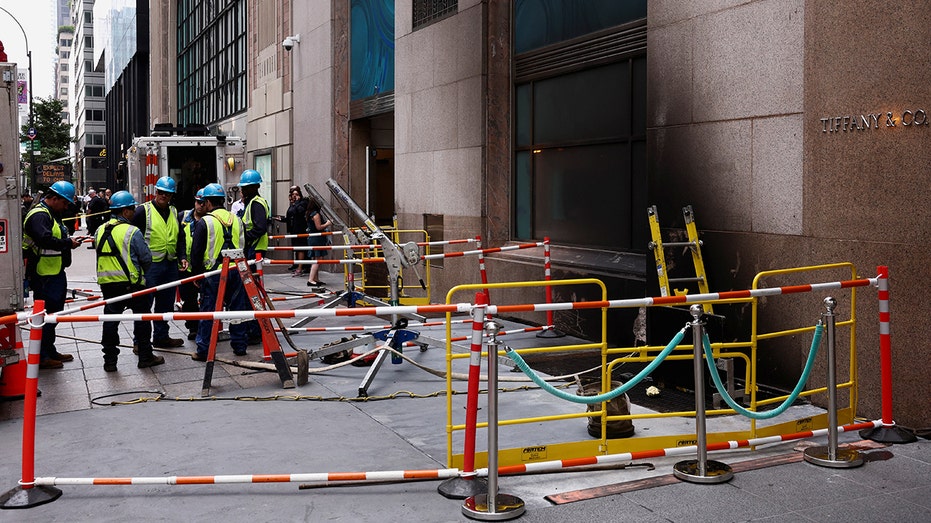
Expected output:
{"points": [[777, 309]]}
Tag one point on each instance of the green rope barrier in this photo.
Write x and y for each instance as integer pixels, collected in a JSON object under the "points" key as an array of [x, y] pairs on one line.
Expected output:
{"points": [[608, 396], [709, 358]]}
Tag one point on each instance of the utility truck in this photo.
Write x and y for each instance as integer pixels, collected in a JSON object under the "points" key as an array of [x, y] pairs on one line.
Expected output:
{"points": [[189, 156]]}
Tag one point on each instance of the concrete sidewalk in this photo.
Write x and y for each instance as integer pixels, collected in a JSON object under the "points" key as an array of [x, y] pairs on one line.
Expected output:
{"points": [[253, 426]]}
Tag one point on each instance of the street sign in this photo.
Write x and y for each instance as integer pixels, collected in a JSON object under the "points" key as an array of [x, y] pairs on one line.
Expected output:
{"points": [[32, 133]]}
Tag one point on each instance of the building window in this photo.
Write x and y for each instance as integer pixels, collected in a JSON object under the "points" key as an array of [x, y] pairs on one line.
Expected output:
{"points": [[579, 173], [211, 60], [428, 11], [539, 23], [93, 115], [89, 42]]}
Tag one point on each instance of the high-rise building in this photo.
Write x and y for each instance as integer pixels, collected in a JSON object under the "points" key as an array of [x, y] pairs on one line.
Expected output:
{"points": [[86, 105], [63, 68]]}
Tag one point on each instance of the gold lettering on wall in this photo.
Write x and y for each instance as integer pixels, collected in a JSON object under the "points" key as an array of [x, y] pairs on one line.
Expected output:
{"points": [[865, 122]]}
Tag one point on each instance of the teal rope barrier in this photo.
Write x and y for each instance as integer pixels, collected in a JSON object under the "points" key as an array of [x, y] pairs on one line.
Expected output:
{"points": [[607, 396], [709, 358]]}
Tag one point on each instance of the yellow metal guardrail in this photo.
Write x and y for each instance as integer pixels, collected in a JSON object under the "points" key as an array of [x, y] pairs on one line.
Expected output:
{"points": [[747, 351]]}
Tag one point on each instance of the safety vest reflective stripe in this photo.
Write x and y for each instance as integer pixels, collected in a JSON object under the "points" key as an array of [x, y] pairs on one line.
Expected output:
{"points": [[262, 243], [187, 229], [109, 269], [217, 221], [161, 236], [49, 259]]}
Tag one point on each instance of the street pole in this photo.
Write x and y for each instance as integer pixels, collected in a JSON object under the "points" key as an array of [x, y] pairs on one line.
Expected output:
{"points": [[32, 123]]}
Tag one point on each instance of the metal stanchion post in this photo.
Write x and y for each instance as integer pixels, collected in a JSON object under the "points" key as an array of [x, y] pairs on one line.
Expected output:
{"points": [[493, 506], [831, 456], [701, 470]]}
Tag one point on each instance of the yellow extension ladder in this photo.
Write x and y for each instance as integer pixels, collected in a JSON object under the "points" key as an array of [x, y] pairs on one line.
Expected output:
{"points": [[694, 245]]}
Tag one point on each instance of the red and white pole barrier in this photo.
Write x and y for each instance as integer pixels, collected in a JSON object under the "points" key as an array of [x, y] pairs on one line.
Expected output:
{"points": [[547, 276], [482, 251], [387, 475], [142, 292], [363, 328], [302, 235], [464, 307], [468, 484], [475, 369], [26, 494], [888, 432], [546, 466], [481, 269]]}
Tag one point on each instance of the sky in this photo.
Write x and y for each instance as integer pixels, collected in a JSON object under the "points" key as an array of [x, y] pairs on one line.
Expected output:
{"points": [[38, 20]]}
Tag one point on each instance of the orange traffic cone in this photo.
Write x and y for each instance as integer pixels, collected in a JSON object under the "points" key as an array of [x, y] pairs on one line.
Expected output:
{"points": [[13, 375]]}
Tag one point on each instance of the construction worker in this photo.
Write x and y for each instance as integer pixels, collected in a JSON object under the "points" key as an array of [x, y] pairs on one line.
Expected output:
{"points": [[189, 292], [47, 252], [158, 220], [123, 258], [255, 218], [218, 230]]}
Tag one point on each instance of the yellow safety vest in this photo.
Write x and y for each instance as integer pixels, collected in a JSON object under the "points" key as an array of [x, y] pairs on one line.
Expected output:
{"points": [[50, 263], [187, 229], [224, 231], [262, 243], [161, 236], [109, 266]]}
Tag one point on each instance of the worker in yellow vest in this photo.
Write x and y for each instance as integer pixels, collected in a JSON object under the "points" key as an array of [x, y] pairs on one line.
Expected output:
{"points": [[189, 291], [47, 251], [256, 215], [123, 258], [159, 223], [218, 230]]}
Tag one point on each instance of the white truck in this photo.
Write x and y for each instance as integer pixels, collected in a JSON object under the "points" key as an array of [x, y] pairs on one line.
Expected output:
{"points": [[11, 219], [192, 161], [12, 357]]}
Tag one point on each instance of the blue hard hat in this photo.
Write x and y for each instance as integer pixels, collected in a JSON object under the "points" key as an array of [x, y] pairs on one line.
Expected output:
{"points": [[250, 177], [199, 196], [122, 199], [165, 184], [214, 190], [63, 189]]}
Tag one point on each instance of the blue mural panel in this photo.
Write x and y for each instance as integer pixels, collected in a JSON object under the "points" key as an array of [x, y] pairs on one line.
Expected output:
{"points": [[371, 58]]}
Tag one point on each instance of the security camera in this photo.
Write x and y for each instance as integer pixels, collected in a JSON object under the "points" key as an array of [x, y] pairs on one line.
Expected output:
{"points": [[289, 42]]}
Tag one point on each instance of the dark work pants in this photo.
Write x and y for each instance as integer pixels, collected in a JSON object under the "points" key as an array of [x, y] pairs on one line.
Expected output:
{"points": [[160, 273], [142, 330], [53, 290], [234, 298]]}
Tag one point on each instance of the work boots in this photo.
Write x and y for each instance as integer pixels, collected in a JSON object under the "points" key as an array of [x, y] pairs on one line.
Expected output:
{"points": [[147, 359]]}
